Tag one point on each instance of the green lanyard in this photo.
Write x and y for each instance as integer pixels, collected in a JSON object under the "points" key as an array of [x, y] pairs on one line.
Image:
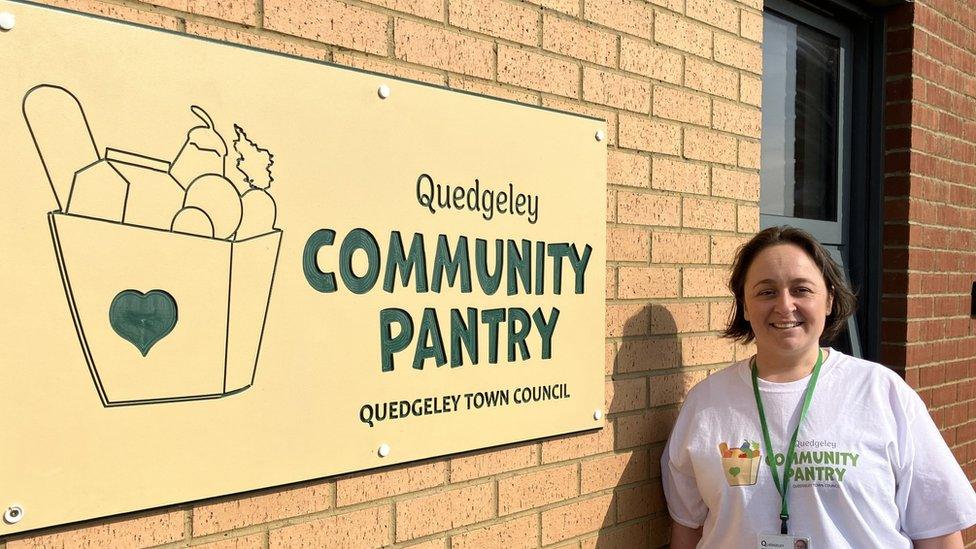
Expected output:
{"points": [[783, 488]]}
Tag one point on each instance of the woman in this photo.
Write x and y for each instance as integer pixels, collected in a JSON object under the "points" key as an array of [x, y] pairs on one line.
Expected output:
{"points": [[849, 443]]}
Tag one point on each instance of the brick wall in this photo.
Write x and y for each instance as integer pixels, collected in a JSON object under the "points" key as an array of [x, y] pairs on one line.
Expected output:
{"points": [[678, 82], [929, 255]]}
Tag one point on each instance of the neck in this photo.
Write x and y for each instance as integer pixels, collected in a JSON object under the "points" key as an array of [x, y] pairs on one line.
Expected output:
{"points": [[778, 368]]}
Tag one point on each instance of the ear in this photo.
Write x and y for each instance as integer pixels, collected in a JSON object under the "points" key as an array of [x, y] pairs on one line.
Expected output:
{"points": [[830, 303], [745, 313]]}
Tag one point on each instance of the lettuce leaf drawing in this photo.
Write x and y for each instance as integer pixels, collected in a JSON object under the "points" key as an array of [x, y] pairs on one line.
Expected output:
{"points": [[253, 161]]}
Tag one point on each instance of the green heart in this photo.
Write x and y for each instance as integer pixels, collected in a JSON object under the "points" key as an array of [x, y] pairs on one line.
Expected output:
{"points": [[734, 471], [143, 319]]}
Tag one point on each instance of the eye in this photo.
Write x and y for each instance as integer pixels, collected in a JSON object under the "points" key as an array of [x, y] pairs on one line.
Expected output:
{"points": [[765, 292], [803, 290]]}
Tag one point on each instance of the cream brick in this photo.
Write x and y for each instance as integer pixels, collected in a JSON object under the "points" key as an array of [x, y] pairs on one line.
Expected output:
{"points": [[429, 9], [261, 41], [443, 49], [751, 25], [735, 184], [612, 471], [683, 34], [747, 219], [577, 445], [631, 535], [647, 282], [388, 482], [642, 58], [261, 508], [254, 541], [384, 66], [520, 533], [754, 4], [330, 22], [724, 248], [749, 154], [673, 388], [441, 543], [679, 248], [115, 11], [628, 244], [710, 146], [708, 214], [648, 355], [611, 205], [491, 89], [750, 90], [624, 395], [680, 176], [701, 350], [736, 119], [588, 110], [675, 318], [705, 282], [627, 320], [673, 5], [738, 53], [682, 106], [616, 90], [141, 531], [491, 462], [644, 134], [538, 72], [538, 488], [630, 16], [568, 37], [718, 314], [717, 13], [577, 518], [623, 168], [235, 11], [645, 428], [443, 511], [611, 283], [648, 209], [571, 7], [610, 357], [640, 501], [364, 528], [716, 80], [515, 22]]}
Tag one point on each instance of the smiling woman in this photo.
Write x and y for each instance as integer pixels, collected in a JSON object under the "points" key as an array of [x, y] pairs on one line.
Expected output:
{"points": [[889, 480]]}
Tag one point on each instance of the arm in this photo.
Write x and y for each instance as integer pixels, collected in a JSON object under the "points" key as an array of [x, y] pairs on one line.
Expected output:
{"points": [[683, 537], [948, 541]]}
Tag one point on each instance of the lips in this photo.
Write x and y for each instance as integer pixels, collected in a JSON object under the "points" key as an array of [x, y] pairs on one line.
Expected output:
{"points": [[785, 325]]}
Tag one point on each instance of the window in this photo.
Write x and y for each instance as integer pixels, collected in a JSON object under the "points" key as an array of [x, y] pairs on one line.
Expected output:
{"points": [[818, 169]]}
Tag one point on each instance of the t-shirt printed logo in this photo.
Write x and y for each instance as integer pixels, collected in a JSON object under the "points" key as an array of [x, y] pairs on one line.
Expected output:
{"points": [[741, 465]]}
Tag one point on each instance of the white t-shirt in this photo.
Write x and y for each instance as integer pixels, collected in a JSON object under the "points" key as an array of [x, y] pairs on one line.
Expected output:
{"points": [[872, 469]]}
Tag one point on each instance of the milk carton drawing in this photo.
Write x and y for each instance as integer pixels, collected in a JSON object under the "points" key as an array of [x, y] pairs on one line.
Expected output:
{"points": [[168, 297]]}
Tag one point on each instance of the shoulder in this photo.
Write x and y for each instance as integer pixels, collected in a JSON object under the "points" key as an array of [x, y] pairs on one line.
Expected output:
{"points": [[716, 386], [876, 379]]}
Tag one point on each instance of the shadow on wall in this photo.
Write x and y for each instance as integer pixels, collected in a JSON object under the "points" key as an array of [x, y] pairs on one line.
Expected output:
{"points": [[643, 399]]}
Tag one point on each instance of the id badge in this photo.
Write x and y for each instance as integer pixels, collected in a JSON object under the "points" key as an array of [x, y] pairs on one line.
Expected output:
{"points": [[779, 541]]}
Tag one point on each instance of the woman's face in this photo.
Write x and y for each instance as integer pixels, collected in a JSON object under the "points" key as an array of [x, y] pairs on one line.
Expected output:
{"points": [[786, 301]]}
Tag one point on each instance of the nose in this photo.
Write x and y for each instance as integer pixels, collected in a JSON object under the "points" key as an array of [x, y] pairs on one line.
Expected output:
{"points": [[785, 303]]}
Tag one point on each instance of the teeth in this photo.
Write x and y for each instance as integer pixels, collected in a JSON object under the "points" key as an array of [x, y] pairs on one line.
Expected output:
{"points": [[786, 324]]}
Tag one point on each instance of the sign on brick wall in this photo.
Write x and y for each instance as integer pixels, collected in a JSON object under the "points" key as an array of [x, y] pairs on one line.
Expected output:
{"points": [[226, 269]]}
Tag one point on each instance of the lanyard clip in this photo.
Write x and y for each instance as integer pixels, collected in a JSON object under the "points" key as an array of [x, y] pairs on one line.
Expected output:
{"points": [[785, 518]]}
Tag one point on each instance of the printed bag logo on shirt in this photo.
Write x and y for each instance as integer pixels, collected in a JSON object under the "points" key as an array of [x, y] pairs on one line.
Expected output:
{"points": [[741, 465]]}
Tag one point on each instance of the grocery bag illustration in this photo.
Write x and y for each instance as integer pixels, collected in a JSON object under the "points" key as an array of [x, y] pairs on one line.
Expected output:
{"points": [[741, 465], [167, 265]]}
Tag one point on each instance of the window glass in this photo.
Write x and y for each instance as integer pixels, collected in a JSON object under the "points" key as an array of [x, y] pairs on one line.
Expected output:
{"points": [[800, 120]]}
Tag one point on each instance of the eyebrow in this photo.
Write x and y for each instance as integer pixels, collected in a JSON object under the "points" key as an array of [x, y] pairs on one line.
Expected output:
{"points": [[793, 281]]}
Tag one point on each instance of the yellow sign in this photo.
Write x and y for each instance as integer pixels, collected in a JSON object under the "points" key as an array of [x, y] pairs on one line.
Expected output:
{"points": [[226, 269]]}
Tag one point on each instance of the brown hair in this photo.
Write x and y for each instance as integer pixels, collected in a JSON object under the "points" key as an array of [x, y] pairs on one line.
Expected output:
{"points": [[844, 299]]}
